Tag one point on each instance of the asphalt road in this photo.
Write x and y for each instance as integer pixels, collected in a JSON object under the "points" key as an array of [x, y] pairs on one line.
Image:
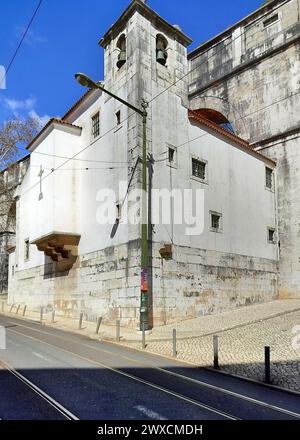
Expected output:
{"points": [[50, 374]]}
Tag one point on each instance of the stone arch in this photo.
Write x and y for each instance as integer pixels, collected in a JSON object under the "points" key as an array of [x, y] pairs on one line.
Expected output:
{"points": [[216, 117], [226, 108]]}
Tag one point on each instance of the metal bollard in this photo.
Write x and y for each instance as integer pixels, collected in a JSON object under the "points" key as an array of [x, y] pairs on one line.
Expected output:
{"points": [[53, 317], [24, 311], [18, 308], [2, 307], [98, 324], [80, 321], [267, 365], [41, 314], [174, 343], [143, 336], [118, 330], [12, 306], [216, 352]]}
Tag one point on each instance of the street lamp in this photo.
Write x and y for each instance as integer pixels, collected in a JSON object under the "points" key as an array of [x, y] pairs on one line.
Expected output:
{"points": [[85, 81]]}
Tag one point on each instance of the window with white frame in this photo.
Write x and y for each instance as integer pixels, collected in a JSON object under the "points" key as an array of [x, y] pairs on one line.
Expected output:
{"points": [[215, 221], [199, 168]]}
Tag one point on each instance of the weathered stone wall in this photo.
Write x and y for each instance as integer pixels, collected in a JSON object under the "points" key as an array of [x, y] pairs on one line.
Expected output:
{"points": [[107, 283], [251, 74], [103, 283], [198, 282], [286, 152]]}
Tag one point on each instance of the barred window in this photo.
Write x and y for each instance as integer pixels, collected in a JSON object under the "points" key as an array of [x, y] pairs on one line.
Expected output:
{"points": [[96, 125], [199, 169]]}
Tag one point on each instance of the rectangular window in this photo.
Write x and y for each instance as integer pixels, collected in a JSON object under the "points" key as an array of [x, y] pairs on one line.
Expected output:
{"points": [[26, 249], [172, 156], [199, 169], [118, 116], [269, 178], [13, 271], [96, 125], [215, 222], [271, 235], [271, 20]]}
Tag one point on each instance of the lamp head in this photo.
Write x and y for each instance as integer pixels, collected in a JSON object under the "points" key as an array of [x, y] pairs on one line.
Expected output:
{"points": [[85, 81]]}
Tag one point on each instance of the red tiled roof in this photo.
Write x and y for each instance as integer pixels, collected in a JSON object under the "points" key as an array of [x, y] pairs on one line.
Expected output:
{"points": [[197, 117], [51, 121]]}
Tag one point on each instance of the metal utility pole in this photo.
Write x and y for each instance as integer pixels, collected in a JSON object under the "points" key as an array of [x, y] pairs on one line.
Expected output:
{"points": [[144, 300]]}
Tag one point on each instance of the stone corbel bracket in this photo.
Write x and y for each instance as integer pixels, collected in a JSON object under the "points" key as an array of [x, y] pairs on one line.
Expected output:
{"points": [[60, 247]]}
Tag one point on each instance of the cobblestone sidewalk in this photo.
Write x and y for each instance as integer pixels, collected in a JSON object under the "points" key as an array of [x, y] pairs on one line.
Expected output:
{"points": [[241, 349]]}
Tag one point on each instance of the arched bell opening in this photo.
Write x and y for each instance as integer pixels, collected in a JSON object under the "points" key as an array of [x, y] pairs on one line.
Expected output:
{"points": [[121, 45], [161, 49]]}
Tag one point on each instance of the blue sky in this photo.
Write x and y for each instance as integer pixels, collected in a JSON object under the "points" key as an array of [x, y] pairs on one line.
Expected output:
{"points": [[63, 40]]}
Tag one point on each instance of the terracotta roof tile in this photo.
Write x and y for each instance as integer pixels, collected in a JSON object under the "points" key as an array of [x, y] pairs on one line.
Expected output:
{"points": [[193, 115]]}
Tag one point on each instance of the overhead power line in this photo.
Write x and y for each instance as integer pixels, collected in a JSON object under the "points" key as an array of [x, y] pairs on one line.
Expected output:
{"points": [[21, 42]]}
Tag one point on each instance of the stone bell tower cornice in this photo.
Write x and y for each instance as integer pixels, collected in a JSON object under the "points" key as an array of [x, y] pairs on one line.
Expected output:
{"points": [[145, 10]]}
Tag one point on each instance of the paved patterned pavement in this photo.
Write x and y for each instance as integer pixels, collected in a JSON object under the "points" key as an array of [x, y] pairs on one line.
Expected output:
{"points": [[241, 349]]}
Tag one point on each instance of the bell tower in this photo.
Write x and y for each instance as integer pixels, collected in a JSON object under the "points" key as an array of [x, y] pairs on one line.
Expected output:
{"points": [[145, 56], [146, 62]]}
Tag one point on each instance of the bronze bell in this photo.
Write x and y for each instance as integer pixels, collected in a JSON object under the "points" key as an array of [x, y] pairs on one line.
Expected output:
{"points": [[161, 57], [121, 59]]}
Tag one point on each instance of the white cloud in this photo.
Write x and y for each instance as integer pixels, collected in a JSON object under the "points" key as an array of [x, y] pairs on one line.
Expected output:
{"points": [[16, 104], [24, 108], [42, 119]]}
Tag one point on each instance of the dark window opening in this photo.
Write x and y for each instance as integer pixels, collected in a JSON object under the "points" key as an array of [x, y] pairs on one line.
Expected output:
{"points": [[271, 235], [216, 221], [26, 250], [171, 155], [118, 116], [271, 20], [198, 169], [269, 178]]}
